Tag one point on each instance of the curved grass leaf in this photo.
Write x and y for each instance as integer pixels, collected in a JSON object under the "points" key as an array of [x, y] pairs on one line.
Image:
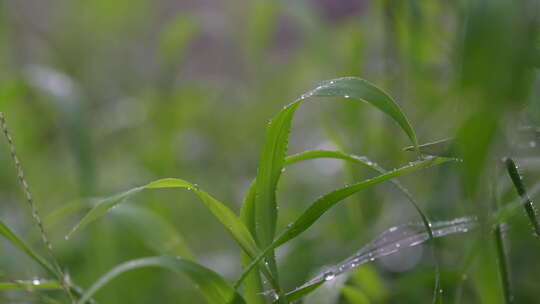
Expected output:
{"points": [[15, 240], [30, 284], [323, 204], [389, 242], [222, 213], [213, 286]]}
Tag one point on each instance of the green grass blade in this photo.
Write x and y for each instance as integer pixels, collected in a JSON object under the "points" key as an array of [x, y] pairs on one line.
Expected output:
{"points": [[512, 170], [253, 288], [223, 214], [323, 204], [212, 285], [15, 240], [33, 284]]}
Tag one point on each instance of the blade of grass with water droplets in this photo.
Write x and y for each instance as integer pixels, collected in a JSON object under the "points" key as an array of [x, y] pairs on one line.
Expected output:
{"points": [[214, 287], [323, 204], [15, 240], [389, 242], [30, 284]]}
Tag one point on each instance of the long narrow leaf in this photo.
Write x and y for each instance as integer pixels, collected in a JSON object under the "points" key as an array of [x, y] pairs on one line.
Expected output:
{"points": [[212, 285], [323, 204]]}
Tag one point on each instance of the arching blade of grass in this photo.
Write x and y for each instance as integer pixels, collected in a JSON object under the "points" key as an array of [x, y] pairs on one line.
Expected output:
{"points": [[15, 240], [32, 284], [214, 287], [276, 141], [323, 204], [389, 242], [222, 213]]}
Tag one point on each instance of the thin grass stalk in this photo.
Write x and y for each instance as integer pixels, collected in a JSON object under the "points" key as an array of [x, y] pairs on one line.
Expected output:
{"points": [[35, 214]]}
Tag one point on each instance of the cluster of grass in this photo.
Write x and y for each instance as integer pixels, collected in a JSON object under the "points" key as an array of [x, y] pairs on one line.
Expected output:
{"points": [[255, 229], [478, 103]]}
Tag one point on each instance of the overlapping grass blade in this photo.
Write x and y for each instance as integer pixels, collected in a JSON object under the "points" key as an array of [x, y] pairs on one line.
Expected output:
{"points": [[214, 287], [389, 242], [15, 240], [323, 204], [30, 284]]}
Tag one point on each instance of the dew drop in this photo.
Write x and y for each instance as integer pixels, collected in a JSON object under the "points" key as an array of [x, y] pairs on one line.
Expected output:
{"points": [[329, 276], [35, 282], [346, 96]]}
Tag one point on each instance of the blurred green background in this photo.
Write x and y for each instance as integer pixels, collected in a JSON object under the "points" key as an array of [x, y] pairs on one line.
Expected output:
{"points": [[102, 96]]}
